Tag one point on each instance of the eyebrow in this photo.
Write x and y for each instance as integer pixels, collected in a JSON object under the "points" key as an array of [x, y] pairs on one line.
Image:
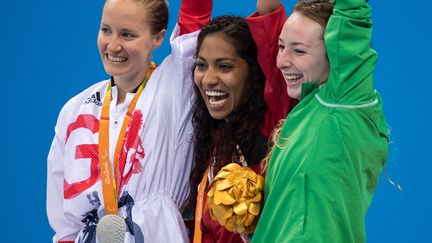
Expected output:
{"points": [[299, 43], [217, 60], [295, 43], [128, 30], [122, 30]]}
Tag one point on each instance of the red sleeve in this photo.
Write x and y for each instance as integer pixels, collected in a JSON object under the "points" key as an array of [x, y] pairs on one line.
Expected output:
{"points": [[265, 30], [194, 14]]}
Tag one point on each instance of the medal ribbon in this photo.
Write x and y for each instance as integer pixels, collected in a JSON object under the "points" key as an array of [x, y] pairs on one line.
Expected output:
{"points": [[199, 208], [109, 185]]}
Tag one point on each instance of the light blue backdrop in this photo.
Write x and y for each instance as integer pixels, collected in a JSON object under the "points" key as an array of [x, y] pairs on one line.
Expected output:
{"points": [[48, 53]]}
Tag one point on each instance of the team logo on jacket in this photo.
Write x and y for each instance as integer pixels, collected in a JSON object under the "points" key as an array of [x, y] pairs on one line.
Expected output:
{"points": [[130, 159], [94, 98]]}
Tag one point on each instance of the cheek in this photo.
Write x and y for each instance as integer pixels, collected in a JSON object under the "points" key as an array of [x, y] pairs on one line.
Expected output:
{"points": [[197, 77], [241, 89], [326, 66], [138, 49], [100, 43], [323, 68], [279, 60], [309, 66], [304, 64]]}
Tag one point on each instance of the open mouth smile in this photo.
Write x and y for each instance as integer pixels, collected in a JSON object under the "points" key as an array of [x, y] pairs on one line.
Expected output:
{"points": [[292, 78], [216, 98], [115, 59]]}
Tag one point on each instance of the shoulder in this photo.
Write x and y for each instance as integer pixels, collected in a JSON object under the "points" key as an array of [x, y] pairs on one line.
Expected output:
{"points": [[72, 105], [326, 140]]}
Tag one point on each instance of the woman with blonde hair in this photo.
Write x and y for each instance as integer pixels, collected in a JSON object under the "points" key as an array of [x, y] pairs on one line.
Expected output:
{"points": [[332, 147], [122, 153]]}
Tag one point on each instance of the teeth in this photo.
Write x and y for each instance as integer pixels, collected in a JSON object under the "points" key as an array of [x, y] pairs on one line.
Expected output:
{"points": [[216, 102], [116, 59], [291, 77], [216, 98], [212, 93]]}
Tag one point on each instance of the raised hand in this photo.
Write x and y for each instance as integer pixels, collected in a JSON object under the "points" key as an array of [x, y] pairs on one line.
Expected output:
{"points": [[267, 6]]}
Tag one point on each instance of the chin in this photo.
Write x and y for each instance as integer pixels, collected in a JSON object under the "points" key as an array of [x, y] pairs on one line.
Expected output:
{"points": [[218, 117], [115, 72], [295, 94]]}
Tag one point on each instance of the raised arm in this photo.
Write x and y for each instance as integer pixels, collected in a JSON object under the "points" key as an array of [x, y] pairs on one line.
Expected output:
{"points": [[266, 25], [267, 6], [194, 14], [352, 60]]}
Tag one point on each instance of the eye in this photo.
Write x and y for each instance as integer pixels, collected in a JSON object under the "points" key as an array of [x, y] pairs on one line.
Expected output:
{"points": [[128, 35], [281, 46], [299, 52], [224, 67], [105, 30], [200, 66]]}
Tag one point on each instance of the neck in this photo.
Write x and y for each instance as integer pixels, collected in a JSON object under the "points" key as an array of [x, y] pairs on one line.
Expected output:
{"points": [[125, 85], [123, 89]]}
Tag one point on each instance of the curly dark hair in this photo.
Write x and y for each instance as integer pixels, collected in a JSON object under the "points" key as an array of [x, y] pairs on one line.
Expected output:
{"points": [[219, 138]]}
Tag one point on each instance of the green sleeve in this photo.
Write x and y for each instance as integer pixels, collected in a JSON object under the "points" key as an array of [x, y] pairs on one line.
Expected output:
{"points": [[352, 60], [333, 186]]}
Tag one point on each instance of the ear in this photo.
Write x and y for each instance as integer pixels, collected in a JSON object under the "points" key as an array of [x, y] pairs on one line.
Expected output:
{"points": [[158, 38]]}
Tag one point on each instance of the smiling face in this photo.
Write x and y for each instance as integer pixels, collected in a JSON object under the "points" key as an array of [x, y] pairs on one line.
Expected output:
{"points": [[125, 40], [302, 54], [220, 75]]}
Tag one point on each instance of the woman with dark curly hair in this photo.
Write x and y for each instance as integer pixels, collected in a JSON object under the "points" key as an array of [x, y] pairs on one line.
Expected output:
{"points": [[232, 112]]}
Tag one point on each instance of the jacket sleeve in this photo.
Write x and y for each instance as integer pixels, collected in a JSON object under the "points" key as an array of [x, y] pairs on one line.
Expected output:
{"points": [[265, 30], [334, 197], [352, 60], [65, 231], [194, 14]]}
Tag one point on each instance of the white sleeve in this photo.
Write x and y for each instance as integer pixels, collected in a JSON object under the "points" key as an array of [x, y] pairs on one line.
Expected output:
{"points": [[64, 229], [183, 57]]}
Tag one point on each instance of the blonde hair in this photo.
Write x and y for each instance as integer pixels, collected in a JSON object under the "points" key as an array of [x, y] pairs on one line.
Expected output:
{"points": [[277, 141], [156, 12], [317, 10]]}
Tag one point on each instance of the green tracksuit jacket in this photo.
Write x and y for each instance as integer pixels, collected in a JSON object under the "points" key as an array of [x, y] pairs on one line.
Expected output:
{"points": [[333, 145]]}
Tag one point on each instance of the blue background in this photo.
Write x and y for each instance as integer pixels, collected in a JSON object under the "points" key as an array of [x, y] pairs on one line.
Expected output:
{"points": [[48, 54]]}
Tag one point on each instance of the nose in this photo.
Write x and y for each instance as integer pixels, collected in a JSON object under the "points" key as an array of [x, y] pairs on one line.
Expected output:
{"points": [[284, 59], [114, 45], [210, 77]]}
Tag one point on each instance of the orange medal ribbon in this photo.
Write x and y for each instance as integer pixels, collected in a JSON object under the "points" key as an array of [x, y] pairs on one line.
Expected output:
{"points": [[199, 208], [109, 185]]}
